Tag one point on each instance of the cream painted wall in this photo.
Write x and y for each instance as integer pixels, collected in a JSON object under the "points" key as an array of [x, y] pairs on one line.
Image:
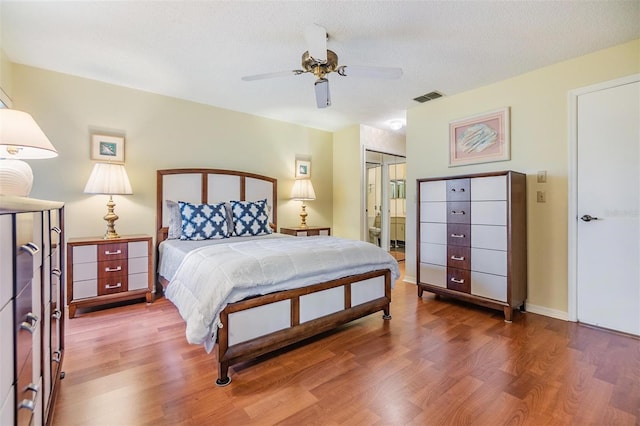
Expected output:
{"points": [[539, 141], [6, 84], [161, 132], [347, 183]]}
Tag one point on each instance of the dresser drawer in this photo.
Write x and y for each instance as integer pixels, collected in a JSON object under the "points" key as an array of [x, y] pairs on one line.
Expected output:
{"points": [[85, 254], [138, 249], [433, 212], [489, 213], [433, 274], [112, 251], [24, 392], [7, 408], [6, 260], [459, 212], [433, 253], [433, 191], [112, 284], [6, 350], [433, 233], [138, 281], [458, 190], [109, 268], [459, 234], [458, 280], [23, 314], [489, 285], [489, 237], [489, 188], [489, 261], [458, 257], [85, 289]]}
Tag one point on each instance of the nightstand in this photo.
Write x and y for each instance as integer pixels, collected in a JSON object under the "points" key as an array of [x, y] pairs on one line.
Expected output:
{"points": [[306, 232], [106, 271]]}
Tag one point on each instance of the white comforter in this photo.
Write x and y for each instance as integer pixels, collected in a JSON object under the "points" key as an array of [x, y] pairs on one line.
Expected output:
{"points": [[211, 277]]}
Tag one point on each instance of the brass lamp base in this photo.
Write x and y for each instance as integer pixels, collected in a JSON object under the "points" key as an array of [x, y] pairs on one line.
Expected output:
{"points": [[111, 218], [303, 217]]}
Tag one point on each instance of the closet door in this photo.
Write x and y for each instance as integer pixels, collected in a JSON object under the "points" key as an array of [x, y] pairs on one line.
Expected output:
{"points": [[608, 222]]}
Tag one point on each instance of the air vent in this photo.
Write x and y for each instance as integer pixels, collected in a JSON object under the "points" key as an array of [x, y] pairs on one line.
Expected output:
{"points": [[428, 97]]}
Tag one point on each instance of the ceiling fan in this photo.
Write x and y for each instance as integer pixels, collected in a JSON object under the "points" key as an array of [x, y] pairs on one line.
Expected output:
{"points": [[320, 61]]}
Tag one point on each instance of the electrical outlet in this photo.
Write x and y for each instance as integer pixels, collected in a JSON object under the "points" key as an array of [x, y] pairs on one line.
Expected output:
{"points": [[542, 177], [541, 197]]}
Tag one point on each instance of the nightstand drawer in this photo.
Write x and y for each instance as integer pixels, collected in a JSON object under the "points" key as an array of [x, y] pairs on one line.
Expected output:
{"points": [[85, 289], [109, 268], [112, 284], [112, 251]]}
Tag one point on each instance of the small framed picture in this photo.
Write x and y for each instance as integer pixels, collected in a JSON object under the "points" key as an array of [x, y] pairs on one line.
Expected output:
{"points": [[303, 169], [481, 138], [107, 148]]}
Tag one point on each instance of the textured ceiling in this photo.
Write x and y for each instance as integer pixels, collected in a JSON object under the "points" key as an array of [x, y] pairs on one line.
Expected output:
{"points": [[199, 50]]}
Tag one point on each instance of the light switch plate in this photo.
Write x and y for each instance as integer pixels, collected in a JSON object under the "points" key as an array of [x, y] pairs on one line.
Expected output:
{"points": [[542, 176], [541, 197]]}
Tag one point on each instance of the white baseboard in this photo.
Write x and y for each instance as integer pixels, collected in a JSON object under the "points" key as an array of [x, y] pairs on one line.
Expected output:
{"points": [[542, 310], [409, 279]]}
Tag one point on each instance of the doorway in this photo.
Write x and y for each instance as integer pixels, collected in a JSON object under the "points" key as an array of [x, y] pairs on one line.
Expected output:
{"points": [[604, 210], [386, 202]]}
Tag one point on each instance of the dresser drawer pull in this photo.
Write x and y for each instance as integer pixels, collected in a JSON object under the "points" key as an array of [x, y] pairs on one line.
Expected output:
{"points": [[457, 281], [457, 258], [28, 404], [56, 356], [109, 286], [32, 248], [113, 252], [56, 230], [456, 212], [57, 272], [107, 269], [457, 235], [57, 314], [32, 387], [454, 190]]}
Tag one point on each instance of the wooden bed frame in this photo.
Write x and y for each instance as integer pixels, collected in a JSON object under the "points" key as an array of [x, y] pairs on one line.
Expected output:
{"points": [[262, 324]]}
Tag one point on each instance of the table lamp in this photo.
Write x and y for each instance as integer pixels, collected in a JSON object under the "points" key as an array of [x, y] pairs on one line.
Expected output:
{"points": [[303, 191], [110, 179]]}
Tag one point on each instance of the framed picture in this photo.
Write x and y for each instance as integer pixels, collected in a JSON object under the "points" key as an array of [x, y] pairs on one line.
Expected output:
{"points": [[481, 138], [303, 169], [107, 148]]}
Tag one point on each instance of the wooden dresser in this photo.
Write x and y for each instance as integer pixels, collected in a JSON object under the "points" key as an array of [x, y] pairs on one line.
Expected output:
{"points": [[107, 271], [472, 239], [31, 309]]}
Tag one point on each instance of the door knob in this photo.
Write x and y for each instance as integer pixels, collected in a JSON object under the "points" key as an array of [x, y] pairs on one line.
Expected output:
{"points": [[588, 218]]}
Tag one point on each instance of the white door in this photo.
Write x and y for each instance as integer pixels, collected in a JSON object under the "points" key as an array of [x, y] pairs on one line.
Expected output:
{"points": [[608, 208]]}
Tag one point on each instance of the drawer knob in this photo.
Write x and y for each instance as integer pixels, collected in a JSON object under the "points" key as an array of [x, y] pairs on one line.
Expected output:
{"points": [[107, 269], [56, 230], [457, 235], [56, 314], [457, 281], [457, 257], [57, 356], [57, 272], [457, 190], [30, 247], [109, 286], [28, 404], [457, 212]]}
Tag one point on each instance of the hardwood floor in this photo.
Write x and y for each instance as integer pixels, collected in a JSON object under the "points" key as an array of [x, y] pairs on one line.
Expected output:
{"points": [[437, 361]]}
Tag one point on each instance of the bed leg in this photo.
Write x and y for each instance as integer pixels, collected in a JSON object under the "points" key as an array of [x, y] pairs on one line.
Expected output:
{"points": [[385, 314], [223, 374]]}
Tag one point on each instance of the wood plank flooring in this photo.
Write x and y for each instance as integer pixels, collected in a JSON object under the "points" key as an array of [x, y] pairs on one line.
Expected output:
{"points": [[437, 361]]}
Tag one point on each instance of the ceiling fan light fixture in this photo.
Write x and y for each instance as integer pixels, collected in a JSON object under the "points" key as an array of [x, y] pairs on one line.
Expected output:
{"points": [[323, 98], [396, 124]]}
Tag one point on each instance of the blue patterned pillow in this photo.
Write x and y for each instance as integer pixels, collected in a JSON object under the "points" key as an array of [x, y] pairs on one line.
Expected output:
{"points": [[250, 218], [203, 221]]}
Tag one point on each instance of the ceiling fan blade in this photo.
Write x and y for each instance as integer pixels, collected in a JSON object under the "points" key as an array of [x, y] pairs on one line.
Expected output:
{"points": [[316, 37], [370, 72], [323, 97], [272, 75]]}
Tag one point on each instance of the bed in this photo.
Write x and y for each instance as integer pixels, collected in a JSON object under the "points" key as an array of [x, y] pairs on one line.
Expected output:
{"points": [[246, 290]]}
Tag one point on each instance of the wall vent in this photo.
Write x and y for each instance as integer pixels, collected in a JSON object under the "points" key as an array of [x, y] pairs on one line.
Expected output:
{"points": [[428, 97]]}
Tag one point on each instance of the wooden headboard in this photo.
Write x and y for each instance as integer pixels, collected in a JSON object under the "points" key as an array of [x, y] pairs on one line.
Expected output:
{"points": [[211, 186]]}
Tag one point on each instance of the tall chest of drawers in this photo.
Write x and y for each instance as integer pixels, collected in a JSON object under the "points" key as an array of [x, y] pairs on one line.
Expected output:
{"points": [[107, 271], [31, 309], [472, 239]]}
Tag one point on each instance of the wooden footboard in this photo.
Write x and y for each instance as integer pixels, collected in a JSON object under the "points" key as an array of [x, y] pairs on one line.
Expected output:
{"points": [[263, 324]]}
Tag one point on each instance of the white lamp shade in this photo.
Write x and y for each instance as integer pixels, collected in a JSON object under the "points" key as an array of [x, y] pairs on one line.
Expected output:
{"points": [[303, 190], [107, 178], [22, 138]]}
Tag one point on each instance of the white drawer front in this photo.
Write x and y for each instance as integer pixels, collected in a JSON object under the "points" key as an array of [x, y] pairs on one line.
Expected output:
{"points": [[84, 254], [433, 253], [138, 265], [84, 289], [489, 285], [433, 212], [489, 213], [489, 237], [138, 249], [6, 259], [85, 271], [433, 233], [489, 188], [433, 191], [138, 281], [7, 408], [433, 274], [323, 232], [489, 261]]}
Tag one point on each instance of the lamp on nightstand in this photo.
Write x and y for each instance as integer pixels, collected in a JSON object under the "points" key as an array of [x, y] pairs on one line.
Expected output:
{"points": [[110, 179], [303, 191]]}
